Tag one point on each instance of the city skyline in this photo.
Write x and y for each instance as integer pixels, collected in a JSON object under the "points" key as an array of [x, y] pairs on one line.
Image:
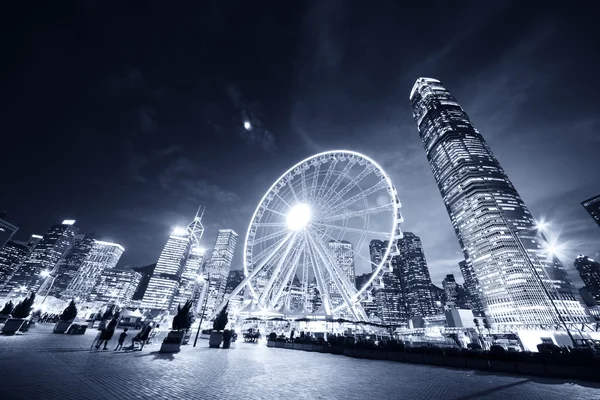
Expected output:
{"points": [[170, 138]]}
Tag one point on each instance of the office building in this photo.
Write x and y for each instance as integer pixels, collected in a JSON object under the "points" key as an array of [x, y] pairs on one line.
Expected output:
{"points": [[218, 266], [518, 286], [471, 288], [189, 285], [414, 277], [44, 257], [102, 256], [115, 286], [343, 256], [146, 272], [11, 255], [592, 206], [451, 289], [589, 270], [7, 230]]}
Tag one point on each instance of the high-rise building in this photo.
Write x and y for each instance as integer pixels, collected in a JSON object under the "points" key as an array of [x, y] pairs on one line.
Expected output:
{"points": [[67, 267], [218, 266], [471, 288], [386, 302], [518, 286], [592, 206], [53, 245], [165, 279], [450, 291], [343, 255], [589, 270], [102, 256], [11, 254], [146, 272], [7, 230], [234, 279], [115, 286], [414, 277]]}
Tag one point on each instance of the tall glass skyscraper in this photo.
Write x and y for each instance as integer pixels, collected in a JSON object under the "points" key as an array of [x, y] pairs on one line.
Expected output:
{"points": [[592, 206], [414, 277], [54, 244], [471, 288], [102, 255], [218, 267], [492, 223], [165, 278], [589, 270], [7, 230], [342, 253], [115, 286]]}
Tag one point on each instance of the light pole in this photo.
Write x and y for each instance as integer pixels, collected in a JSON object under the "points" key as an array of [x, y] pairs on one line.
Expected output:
{"points": [[46, 274], [542, 284], [200, 279]]}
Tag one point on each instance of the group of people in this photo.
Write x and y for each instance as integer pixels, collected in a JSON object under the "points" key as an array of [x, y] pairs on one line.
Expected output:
{"points": [[106, 330]]}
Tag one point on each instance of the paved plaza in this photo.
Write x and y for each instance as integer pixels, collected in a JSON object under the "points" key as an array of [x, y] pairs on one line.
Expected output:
{"points": [[42, 365]]}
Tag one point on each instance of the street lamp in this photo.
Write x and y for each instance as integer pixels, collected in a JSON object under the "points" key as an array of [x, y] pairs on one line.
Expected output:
{"points": [[201, 279], [48, 274]]}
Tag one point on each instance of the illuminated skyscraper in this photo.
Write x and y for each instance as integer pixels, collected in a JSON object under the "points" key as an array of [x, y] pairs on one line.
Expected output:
{"points": [[165, 278], [115, 286], [450, 291], [11, 255], [471, 288], [414, 277], [589, 270], [7, 230], [45, 256], [174, 279], [218, 266], [102, 256], [388, 303], [343, 255], [494, 227], [592, 206]]}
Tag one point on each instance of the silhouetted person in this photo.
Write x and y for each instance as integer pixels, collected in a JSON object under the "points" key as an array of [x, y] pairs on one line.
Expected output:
{"points": [[122, 337], [98, 337], [108, 333]]}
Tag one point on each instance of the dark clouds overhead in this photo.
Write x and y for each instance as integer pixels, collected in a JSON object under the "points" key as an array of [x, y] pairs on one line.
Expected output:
{"points": [[128, 118]]}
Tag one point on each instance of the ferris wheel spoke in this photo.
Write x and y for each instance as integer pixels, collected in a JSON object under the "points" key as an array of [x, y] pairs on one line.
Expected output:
{"points": [[289, 277], [268, 237], [335, 207], [275, 273], [269, 225], [355, 253], [284, 202], [291, 186], [271, 251], [354, 230], [319, 276], [330, 266], [359, 213], [355, 181], [275, 212], [303, 183], [328, 175], [336, 183]]}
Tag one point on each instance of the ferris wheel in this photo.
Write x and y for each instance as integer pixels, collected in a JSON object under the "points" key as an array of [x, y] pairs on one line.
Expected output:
{"points": [[311, 232]]}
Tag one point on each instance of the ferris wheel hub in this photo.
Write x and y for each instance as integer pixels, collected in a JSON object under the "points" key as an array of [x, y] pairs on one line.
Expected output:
{"points": [[298, 217]]}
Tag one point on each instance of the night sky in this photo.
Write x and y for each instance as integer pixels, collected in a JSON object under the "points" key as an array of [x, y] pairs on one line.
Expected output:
{"points": [[128, 117]]}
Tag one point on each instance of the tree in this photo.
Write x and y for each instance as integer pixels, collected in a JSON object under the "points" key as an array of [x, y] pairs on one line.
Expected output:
{"points": [[8, 307], [476, 322], [69, 313], [486, 325], [23, 309], [222, 319], [183, 320]]}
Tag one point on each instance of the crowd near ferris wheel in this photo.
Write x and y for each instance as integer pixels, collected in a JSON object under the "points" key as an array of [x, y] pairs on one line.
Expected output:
{"points": [[311, 230]]}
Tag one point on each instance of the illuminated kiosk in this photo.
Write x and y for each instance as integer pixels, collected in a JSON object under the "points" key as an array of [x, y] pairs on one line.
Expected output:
{"points": [[307, 233]]}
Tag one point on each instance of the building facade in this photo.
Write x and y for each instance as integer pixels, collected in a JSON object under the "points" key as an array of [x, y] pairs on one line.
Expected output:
{"points": [[44, 257], [11, 255], [589, 270], [218, 267], [101, 256], [343, 256], [518, 285], [164, 281], [414, 277], [471, 287], [592, 206], [7, 230], [115, 286], [451, 289], [188, 288]]}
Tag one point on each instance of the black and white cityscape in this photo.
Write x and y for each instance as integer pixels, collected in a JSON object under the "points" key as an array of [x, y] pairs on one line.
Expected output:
{"points": [[278, 200]]}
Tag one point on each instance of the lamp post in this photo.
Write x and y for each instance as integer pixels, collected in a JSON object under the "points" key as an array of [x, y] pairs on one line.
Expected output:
{"points": [[542, 284], [46, 274], [200, 279]]}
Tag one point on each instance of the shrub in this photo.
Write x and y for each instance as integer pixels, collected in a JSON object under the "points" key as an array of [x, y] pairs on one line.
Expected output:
{"points": [[474, 346], [23, 309], [497, 349], [183, 319], [548, 348], [174, 337], [221, 320], [69, 313], [272, 336], [8, 307]]}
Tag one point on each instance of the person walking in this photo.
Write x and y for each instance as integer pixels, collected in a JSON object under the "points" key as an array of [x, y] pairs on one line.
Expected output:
{"points": [[108, 333], [122, 337], [101, 329]]}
